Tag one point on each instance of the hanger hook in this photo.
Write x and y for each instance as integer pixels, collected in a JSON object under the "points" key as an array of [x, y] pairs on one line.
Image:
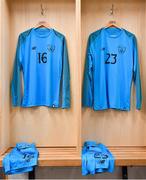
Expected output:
{"points": [[112, 10], [42, 10]]}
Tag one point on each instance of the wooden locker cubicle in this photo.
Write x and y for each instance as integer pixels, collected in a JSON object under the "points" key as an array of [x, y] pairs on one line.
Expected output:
{"points": [[116, 128], [45, 126], [60, 130]]}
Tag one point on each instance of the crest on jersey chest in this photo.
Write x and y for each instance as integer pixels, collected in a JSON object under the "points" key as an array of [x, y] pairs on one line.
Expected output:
{"points": [[121, 49], [51, 48]]}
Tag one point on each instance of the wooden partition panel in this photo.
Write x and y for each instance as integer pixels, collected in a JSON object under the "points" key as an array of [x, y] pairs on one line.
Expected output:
{"points": [[116, 127], [4, 76], [46, 126], [79, 66]]}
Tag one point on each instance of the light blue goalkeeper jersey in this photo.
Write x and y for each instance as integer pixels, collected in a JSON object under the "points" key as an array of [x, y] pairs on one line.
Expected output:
{"points": [[111, 65], [42, 58]]}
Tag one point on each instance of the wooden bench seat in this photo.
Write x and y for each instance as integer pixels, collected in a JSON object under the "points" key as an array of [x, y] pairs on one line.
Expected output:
{"points": [[124, 156], [55, 157], [129, 156]]}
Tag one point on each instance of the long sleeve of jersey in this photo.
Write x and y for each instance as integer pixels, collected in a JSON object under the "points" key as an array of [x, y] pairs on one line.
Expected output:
{"points": [[16, 78], [136, 76], [87, 100], [65, 78]]}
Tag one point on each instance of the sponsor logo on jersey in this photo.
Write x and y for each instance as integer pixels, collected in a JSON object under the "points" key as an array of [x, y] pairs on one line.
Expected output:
{"points": [[34, 48], [103, 49], [121, 49]]}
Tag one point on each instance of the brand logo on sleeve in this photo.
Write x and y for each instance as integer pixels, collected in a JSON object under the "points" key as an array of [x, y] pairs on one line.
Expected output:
{"points": [[121, 49], [51, 48]]}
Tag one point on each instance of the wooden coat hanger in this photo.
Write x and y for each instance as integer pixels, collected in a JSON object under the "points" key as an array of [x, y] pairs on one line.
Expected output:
{"points": [[112, 23], [42, 23]]}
